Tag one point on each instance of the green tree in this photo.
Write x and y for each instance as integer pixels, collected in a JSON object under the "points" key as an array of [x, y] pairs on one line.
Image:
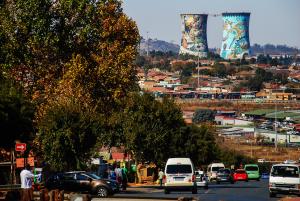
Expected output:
{"points": [[148, 126], [67, 135], [203, 115], [16, 114]]}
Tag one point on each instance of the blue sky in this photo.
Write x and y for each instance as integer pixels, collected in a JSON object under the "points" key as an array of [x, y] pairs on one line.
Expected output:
{"points": [[271, 21]]}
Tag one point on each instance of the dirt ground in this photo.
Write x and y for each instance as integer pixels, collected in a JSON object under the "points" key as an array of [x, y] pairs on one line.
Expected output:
{"points": [[266, 152]]}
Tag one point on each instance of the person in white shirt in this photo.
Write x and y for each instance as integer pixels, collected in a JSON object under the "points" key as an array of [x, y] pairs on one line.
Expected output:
{"points": [[160, 176], [26, 183]]}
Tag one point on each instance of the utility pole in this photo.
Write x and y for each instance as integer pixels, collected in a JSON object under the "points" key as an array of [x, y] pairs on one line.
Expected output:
{"points": [[147, 43], [198, 68], [276, 139]]}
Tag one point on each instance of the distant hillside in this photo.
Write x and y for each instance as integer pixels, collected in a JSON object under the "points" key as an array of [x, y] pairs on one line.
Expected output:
{"points": [[158, 45], [163, 46]]}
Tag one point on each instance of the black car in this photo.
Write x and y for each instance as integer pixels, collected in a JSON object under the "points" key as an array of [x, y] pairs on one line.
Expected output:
{"points": [[82, 182], [225, 175]]}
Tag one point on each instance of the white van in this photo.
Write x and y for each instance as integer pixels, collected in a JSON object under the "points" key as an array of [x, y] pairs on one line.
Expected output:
{"points": [[285, 179], [179, 175], [212, 170]]}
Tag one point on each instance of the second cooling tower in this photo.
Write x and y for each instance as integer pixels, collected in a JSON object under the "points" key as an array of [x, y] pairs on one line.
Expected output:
{"points": [[194, 38], [236, 43]]}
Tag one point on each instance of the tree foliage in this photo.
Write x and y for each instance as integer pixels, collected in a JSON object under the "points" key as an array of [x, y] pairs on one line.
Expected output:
{"points": [[45, 35], [203, 115], [16, 114]]}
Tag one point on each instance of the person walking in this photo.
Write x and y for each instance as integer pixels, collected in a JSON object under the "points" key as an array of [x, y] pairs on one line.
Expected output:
{"points": [[160, 176], [124, 177], [26, 184]]}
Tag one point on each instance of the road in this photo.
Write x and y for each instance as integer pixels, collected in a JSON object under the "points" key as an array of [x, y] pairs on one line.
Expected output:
{"points": [[240, 191]]}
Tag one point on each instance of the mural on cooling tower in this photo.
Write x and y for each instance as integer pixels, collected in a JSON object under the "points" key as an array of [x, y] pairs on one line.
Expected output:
{"points": [[194, 39], [235, 42]]}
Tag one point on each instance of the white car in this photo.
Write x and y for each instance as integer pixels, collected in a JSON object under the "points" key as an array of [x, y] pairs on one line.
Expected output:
{"points": [[201, 179]]}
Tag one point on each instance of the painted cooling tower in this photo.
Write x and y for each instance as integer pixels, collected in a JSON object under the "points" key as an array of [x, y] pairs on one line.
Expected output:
{"points": [[194, 39], [235, 44]]}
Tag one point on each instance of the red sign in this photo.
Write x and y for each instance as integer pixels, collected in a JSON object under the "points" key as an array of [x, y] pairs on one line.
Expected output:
{"points": [[20, 147]]}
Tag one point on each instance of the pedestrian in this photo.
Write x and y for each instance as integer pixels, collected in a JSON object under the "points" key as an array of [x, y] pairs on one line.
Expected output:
{"points": [[124, 177], [118, 172], [26, 184], [160, 176]]}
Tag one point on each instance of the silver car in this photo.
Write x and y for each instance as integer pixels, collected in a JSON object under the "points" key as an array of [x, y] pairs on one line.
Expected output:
{"points": [[201, 179]]}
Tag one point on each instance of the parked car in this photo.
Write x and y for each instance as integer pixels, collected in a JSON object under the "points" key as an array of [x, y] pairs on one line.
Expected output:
{"points": [[179, 175], [240, 175], [82, 182], [225, 175], [252, 171], [201, 179]]}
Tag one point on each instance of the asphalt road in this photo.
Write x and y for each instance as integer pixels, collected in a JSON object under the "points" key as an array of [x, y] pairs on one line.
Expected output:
{"points": [[240, 191]]}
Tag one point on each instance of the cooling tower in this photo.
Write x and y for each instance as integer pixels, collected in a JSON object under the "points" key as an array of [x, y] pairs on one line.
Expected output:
{"points": [[194, 39], [236, 43]]}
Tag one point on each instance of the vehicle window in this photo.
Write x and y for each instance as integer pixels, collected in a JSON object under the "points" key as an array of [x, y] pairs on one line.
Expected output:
{"points": [[93, 176], [69, 176], [224, 171], [81, 177], [240, 171], [175, 169], [216, 169], [251, 168], [285, 171]]}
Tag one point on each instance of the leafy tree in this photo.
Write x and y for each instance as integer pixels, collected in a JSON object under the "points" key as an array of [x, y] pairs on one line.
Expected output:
{"points": [[203, 115], [148, 126], [67, 135], [45, 35], [69, 122], [195, 142], [16, 114]]}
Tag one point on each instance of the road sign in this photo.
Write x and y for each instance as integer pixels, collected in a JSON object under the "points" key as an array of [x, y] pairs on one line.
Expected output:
{"points": [[20, 147]]}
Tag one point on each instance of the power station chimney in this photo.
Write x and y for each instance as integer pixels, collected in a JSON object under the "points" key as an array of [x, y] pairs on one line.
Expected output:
{"points": [[194, 35], [236, 43]]}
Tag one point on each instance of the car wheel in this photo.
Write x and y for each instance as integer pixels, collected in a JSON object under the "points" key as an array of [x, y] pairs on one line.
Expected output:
{"points": [[205, 187], [167, 191], [194, 191], [247, 180], [257, 179], [102, 192], [272, 195], [218, 182], [232, 182]]}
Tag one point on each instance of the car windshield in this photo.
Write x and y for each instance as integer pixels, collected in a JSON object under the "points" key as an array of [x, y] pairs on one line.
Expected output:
{"points": [[285, 171], [224, 171], [175, 169], [216, 169], [251, 168], [240, 171], [93, 176]]}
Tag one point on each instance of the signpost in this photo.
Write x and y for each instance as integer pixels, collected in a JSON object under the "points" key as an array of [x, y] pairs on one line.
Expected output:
{"points": [[20, 147]]}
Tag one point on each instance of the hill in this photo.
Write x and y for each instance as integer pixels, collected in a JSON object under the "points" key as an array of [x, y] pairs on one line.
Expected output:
{"points": [[164, 46]]}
